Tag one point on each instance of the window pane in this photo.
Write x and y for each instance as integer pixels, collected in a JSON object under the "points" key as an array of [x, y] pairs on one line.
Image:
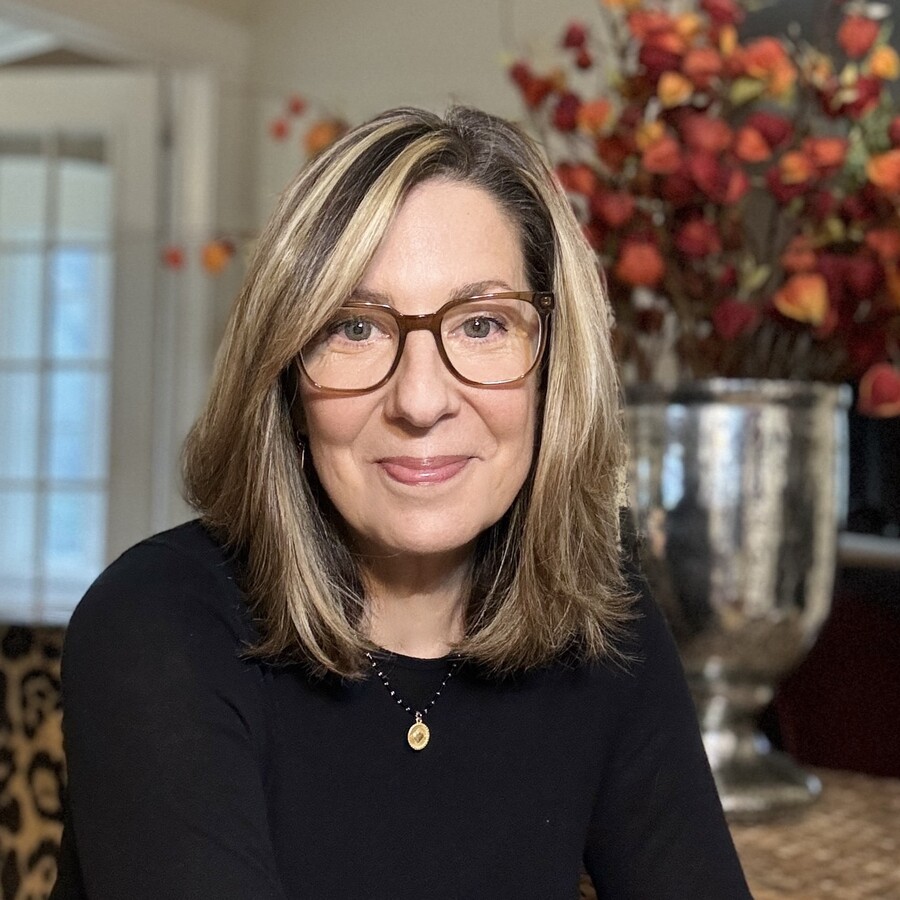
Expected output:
{"points": [[20, 305], [73, 549], [81, 288], [23, 198], [79, 422], [85, 200], [19, 418], [16, 555]]}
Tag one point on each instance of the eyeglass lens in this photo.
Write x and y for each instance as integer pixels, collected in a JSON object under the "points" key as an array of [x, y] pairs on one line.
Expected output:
{"points": [[488, 341]]}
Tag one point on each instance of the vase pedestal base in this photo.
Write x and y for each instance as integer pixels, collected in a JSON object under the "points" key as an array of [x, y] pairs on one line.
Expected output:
{"points": [[754, 781]]}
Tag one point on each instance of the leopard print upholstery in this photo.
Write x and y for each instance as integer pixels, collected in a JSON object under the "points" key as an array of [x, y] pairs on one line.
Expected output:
{"points": [[32, 766]]}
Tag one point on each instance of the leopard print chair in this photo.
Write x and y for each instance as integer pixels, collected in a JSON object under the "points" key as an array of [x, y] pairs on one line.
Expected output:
{"points": [[32, 767]]}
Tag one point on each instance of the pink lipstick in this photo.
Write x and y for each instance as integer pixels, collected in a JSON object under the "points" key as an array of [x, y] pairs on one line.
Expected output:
{"points": [[414, 470]]}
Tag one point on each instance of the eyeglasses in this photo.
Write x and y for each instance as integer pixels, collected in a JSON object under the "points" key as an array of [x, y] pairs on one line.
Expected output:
{"points": [[486, 340]]}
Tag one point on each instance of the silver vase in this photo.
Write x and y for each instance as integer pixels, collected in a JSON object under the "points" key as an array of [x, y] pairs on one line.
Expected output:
{"points": [[738, 489]]}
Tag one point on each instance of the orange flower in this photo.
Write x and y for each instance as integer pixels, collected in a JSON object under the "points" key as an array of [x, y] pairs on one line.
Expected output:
{"points": [[698, 238], [827, 154], [818, 68], [884, 171], [879, 391], [799, 255], [803, 298], [595, 116], [795, 167], [622, 4], [323, 134], [702, 65], [892, 276], [649, 133], [856, 36], [728, 41], [579, 179], [688, 25], [705, 134], [722, 182], [750, 146], [674, 89], [885, 63], [663, 157], [776, 130], [644, 22], [640, 264], [667, 41], [766, 60], [885, 242], [614, 208]]}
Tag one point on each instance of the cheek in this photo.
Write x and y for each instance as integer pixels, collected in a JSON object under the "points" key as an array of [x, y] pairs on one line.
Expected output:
{"points": [[332, 427], [514, 424]]}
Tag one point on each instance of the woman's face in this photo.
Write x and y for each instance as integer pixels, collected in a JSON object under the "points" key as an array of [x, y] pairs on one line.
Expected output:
{"points": [[425, 463]]}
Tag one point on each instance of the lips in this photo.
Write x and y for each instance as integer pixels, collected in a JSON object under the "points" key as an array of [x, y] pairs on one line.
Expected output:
{"points": [[414, 470]]}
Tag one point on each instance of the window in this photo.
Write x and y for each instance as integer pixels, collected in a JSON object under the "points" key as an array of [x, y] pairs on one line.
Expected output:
{"points": [[55, 365]]}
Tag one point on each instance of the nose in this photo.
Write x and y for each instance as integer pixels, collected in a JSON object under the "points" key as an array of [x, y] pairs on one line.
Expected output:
{"points": [[421, 391]]}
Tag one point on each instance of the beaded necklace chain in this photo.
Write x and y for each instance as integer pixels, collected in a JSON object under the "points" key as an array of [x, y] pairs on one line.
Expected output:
{"points": [[419, 733]]}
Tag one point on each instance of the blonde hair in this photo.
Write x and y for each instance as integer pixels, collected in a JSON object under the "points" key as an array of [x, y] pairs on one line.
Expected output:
{"points": [[547, 578]]}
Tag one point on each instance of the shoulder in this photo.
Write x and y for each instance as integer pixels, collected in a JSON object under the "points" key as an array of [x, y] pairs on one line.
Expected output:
{"points": [[642, 649], [175, 591]]}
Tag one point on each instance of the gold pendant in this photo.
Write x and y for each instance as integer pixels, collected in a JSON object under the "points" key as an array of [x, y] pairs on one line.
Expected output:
{"points": [[418, 735]]}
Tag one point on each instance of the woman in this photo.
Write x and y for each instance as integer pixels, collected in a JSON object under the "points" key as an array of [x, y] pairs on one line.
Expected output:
{"points": [[396, 656]]}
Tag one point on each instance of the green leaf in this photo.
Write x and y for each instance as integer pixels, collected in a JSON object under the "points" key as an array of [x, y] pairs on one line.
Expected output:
{"points": [[743, 90], [755, 278]]}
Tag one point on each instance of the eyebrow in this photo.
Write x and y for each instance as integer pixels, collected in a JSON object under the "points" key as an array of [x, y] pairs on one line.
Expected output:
{"points": [[471, 289]]}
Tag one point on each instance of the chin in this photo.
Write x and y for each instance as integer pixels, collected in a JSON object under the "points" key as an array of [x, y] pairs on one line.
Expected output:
{"points": [[423, 540]]}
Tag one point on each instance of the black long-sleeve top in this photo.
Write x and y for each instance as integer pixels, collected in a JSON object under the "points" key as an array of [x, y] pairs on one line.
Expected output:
{"points": [[195, 773]]}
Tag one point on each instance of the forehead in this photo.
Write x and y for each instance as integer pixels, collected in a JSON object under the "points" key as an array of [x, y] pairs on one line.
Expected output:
{"points": [[446, 234]]}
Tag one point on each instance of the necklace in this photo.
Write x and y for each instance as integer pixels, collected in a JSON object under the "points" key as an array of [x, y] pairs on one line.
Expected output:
{"points": [[419, 733]]}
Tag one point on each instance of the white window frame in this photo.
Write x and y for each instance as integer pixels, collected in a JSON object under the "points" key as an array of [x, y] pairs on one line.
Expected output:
{"points": [[163, 345]]}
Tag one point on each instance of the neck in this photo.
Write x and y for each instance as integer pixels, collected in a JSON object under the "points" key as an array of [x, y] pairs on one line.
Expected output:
{"points": [[416, 606]]}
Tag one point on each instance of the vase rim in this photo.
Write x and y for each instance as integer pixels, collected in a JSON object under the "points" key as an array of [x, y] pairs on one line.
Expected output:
{"points": [[741, 390]]}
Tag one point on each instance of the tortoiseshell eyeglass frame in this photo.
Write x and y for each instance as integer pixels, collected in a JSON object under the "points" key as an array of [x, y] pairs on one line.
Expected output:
{"points": [[543, 301]]}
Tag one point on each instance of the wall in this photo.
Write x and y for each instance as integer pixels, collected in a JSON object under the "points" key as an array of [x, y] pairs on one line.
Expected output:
{"points": [[360, 58]]}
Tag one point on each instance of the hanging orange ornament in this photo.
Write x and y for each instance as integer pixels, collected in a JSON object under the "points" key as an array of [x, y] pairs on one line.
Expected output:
{"points": [[216, 256]]}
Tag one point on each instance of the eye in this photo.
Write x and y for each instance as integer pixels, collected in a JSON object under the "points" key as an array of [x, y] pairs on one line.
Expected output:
{"points": [[356, 329], [482, 326]]}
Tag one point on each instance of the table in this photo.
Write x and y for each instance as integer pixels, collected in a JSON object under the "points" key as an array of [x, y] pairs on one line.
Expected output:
{"points": [[845, 846]]}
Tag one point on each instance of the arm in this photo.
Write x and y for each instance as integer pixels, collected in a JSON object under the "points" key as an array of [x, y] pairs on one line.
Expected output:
{"points": [[164, 732], [658, 830]]}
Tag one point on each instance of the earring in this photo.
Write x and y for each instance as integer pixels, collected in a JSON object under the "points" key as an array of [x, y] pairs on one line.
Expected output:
{"points": [[301, 444]]}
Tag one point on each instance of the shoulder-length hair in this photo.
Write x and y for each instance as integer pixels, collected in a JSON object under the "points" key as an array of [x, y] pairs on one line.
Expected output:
{"points": [[546, 578]]}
